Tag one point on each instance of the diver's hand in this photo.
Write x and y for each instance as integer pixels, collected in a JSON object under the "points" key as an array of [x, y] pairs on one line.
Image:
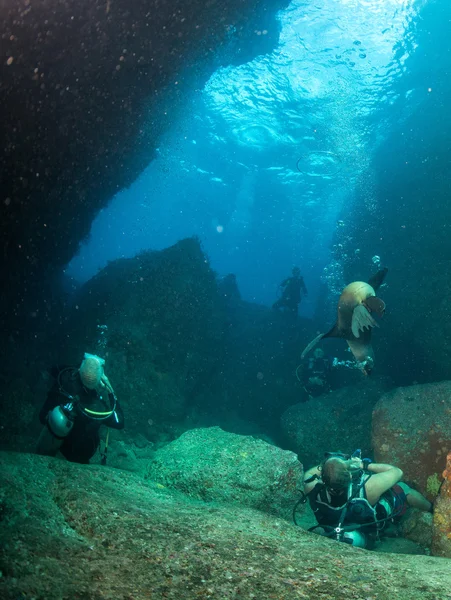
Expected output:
{"points": [[105, 382], [355, 464]]}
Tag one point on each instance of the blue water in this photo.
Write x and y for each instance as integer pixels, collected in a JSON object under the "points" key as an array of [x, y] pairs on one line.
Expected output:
{"points": [[266, 158]]}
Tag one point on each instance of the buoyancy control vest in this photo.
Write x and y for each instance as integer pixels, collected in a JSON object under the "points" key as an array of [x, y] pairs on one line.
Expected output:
{"points": [[358, 510]]}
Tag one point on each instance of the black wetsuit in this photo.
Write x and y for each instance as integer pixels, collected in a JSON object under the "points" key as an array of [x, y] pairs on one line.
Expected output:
{"points": [[83, 440], [291, 295], [316, 376]]}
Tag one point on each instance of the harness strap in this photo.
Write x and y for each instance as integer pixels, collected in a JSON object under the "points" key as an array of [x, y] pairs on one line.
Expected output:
{"points": [[354, 494]]}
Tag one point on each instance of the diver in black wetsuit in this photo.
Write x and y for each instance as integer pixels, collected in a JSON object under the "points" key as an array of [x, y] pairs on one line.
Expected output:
{"points": [[316, 374], [291, 292], [79, 403]]}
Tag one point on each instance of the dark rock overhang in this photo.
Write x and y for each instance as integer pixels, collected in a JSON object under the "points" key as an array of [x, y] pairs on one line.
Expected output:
{"points": [[87, 88]]}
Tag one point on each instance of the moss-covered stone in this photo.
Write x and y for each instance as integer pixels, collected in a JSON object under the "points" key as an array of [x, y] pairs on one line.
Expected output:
{"points": [[162, 323], [340, 421], [433, 484], [214, 465], [441, 532], [76, 531], [412, 429]]}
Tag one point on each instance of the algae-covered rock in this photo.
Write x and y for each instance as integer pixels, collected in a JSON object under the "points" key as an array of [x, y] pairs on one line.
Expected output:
{"points": [[340, 420], [157, 320], [211, 464], [19, 430], [412, 429], [417, 527], [90, 532], [126, 456], [441, 532]]}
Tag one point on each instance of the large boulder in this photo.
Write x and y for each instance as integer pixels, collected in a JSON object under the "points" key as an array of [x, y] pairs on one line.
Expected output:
{"points": [[441, 531], [257, 375], [416, 526], [77, 531], [157, 320], [340, 420], [174, 344], [18, 427], [412, 429], [214, 465], [88, 88]]}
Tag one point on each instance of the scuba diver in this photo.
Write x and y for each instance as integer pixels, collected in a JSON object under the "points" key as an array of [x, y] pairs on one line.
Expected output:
{"points": [[79, 403], [292, 288], [354, 499], [315, 375]]}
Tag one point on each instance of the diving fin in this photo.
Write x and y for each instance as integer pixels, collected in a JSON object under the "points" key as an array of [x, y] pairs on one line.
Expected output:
{"points": [[376, 280], [361, 320]]}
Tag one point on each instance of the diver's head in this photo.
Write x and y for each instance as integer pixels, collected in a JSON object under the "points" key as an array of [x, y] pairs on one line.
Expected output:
{"points": [[91, 371], [319, 353], [335, 474], [296, 271]]}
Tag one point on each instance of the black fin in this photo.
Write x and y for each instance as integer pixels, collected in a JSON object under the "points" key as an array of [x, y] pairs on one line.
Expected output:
{"points": [[376, 280]]}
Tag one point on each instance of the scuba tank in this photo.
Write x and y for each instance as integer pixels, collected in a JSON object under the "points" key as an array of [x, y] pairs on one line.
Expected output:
{"points": [[355, 538], [60, 421]]}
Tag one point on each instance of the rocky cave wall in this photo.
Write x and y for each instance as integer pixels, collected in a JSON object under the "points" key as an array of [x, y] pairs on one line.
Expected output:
{"points": [[179, 351], [87, 88]]}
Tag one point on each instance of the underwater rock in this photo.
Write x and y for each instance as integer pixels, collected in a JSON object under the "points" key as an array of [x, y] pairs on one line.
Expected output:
{"points": [[93, 532], [88, 88], [162, 331], [412, 430], [340, 420], [18, 427], [416, 526], [126, 455], [172, 343], [213, 465], [441, 532], [257, 376]]}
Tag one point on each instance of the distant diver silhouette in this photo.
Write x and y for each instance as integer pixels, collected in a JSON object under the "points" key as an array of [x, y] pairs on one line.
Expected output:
{"points": [[355, 321]]}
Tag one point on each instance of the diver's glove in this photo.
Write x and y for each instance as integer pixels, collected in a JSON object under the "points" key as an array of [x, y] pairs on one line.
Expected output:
{"points": [[354, 464], [366, 462]]}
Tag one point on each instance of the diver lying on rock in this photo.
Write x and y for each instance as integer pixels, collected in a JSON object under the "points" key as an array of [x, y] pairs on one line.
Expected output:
{"points": [[354, 499]]}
